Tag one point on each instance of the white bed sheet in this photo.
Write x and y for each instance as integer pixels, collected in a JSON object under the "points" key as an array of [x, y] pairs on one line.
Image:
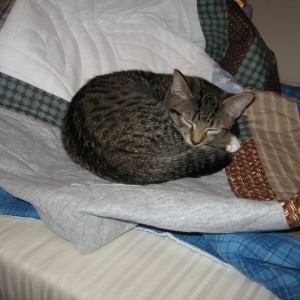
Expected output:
{"points": [[36, 264]]}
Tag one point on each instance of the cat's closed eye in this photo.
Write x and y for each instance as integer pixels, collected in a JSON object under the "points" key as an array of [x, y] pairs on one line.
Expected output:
{"points": [[176, 112], [211, 131], [188, 123], [181, 120]]}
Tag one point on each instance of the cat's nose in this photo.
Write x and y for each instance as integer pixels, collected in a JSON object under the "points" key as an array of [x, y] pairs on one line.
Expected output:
{"points": [[197, 138]]}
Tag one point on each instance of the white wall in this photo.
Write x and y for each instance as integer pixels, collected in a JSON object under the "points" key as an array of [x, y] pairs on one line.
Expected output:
{"points": [[278, 22]]}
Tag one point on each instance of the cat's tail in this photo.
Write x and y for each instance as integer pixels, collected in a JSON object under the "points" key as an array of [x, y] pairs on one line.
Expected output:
{"points": [[195, 162]]}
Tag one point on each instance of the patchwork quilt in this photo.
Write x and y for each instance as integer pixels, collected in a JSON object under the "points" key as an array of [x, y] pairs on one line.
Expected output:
{"points": [[48, 49]]}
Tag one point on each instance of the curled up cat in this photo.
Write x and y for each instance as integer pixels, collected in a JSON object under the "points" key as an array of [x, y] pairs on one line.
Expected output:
{"points": [[139, 127]]}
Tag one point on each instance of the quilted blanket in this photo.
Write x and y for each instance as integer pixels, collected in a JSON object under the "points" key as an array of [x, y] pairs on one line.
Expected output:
{"points": [[89, 211], [74, 43]]}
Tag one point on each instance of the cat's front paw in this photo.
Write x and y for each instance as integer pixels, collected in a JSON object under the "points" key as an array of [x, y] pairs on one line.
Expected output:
{"points": [[234, 144]]}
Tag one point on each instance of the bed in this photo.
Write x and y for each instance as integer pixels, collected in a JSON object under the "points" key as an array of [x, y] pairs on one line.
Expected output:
{"points": [[66, 234]]}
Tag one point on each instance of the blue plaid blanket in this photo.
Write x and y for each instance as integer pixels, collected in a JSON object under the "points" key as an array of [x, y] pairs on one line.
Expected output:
{"points": [[272, 259], [11, 206]]}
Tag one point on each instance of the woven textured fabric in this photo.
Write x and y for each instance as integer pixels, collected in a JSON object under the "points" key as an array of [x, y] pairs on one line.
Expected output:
{"points": [[234, 42], [291, 210], [246, 175], [247, 179], [267, 166]]}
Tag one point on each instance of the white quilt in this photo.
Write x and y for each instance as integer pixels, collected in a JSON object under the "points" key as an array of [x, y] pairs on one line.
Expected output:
{"points": [[57, 45]]}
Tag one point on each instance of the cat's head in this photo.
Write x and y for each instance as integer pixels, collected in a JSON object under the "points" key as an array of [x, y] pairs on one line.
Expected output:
{"points": [[201, 111]]}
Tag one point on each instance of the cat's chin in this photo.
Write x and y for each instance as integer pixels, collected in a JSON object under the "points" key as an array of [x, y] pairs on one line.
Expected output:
{"points": [[234, 144]]}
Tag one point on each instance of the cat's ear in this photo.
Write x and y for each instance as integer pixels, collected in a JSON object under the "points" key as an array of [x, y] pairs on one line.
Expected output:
{"points": [[180, 86], [235, 105]]}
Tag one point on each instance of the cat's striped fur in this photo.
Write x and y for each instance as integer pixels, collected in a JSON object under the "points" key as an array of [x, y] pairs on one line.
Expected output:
{"points": [[139, 127]]}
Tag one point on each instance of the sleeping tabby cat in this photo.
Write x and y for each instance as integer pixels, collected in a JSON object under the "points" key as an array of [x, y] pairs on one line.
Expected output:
{"points": [[140, 127]]}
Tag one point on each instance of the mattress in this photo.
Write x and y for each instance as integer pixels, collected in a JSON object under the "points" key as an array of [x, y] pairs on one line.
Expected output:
{"points": [[137, 265]]}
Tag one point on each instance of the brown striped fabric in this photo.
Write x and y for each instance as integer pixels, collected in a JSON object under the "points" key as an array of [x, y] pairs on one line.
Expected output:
{"points": [[275, 126], [267, 167]]}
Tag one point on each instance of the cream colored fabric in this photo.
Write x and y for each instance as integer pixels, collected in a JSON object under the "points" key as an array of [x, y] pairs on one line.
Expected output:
{"points": [[35, 264], [275, 126]]}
